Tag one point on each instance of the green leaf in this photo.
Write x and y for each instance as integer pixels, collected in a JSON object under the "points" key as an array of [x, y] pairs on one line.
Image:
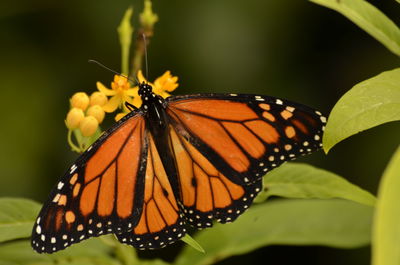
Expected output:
{"points": [[125, 253], [386, 229], [368, 104], [92, 251], [296, 180], [16, 218], [152, 262], [193, 243], [369, 18], [335, 223]]}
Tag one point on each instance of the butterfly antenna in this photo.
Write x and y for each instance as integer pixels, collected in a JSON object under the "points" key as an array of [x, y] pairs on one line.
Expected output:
{"points": [[145, 55], [136, 82]]}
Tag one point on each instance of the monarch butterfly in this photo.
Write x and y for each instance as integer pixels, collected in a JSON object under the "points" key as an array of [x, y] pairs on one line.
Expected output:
{"points": [[187, 159]]}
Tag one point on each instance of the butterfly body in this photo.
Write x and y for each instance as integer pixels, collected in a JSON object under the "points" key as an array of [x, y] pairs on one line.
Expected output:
{"points": [[190, 159], [154, 109]]}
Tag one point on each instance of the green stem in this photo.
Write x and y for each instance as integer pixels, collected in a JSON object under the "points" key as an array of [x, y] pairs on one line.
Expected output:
{"points": [[71, 144], [138, 58], [125, 59], [137, 62]]}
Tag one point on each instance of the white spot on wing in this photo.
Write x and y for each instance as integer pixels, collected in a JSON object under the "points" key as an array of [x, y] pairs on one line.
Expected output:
{"points": [[291, 109], [279, 102], [56, 198], [73, 168]]}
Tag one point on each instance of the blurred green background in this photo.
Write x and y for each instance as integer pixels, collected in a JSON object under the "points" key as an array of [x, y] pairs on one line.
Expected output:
{"points": [[290, 49]]}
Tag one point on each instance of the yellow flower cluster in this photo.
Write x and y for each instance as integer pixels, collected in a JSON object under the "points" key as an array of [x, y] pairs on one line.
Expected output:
{"points": [[86, 112], [121, 91]]}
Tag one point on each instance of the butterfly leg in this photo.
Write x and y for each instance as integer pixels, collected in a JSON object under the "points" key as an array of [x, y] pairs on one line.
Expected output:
{"points": [[130, 106]]}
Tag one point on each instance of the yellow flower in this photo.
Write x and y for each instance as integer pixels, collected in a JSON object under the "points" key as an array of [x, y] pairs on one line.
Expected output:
{"points": [[80, 100], [97, 112], [120, 93], [137, 100], [120, 115], [74, 117], [98, 98], [88, 126], [163, 84]]}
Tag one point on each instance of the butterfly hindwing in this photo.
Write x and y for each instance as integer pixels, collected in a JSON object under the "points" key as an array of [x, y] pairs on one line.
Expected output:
{"points": [[245, 136], [206, 194], [161, 221], [101, 193]]}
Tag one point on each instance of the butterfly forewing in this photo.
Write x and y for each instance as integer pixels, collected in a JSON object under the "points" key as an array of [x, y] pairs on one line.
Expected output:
{"points": [[245, 136], [101, 193]]}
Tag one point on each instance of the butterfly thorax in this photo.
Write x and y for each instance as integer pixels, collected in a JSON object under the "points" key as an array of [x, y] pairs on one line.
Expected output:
{"points": [[158, 122], [154, 107]]}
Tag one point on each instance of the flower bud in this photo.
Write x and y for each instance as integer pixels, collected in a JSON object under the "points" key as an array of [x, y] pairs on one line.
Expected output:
{"points": [[88, 126], [80, 100], [74, 117], [148, 18], [97, 112], [98, 98]]}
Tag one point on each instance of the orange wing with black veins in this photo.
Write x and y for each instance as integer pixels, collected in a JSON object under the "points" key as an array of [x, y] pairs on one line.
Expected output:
{"points": [[245, 136], [161, 221], [101, 193], [206, 193], [224, 144]]}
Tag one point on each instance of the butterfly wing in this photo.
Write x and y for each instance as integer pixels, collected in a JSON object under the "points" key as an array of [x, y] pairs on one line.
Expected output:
{"points": [[206, 193], [245, 136], [224, 144], [161, 222], [101, 193]]}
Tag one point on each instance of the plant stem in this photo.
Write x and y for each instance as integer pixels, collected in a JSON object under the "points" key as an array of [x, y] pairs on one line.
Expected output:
{"points": [[71, 144]]}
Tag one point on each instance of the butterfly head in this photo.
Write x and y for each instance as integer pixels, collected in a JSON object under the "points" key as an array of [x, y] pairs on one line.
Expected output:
{"points": [[149, 98], [145, 89]]}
